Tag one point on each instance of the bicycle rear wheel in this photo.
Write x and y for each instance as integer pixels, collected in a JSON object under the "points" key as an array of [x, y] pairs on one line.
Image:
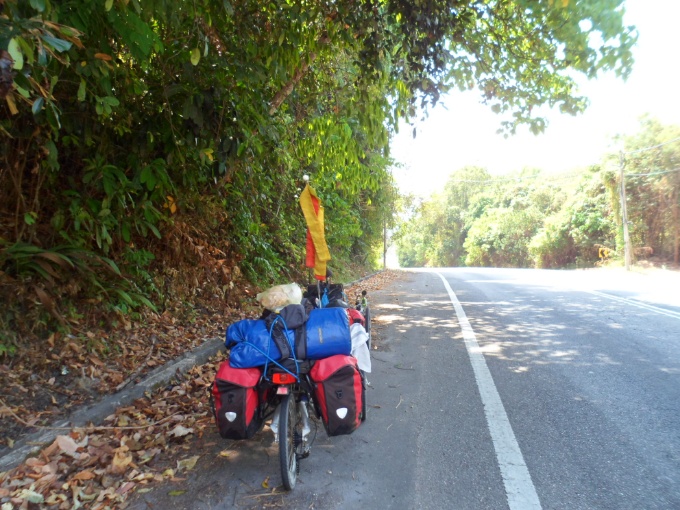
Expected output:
{"points": [[287, 454]]}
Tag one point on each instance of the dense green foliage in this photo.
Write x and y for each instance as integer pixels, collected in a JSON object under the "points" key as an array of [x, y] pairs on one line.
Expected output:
{"points": [[153, 149], [536, 220], [652, 167]]}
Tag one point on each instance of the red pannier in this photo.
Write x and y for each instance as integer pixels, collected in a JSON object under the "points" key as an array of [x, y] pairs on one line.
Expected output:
{"points": [[235, 401], [340, 393], [355, 316]]}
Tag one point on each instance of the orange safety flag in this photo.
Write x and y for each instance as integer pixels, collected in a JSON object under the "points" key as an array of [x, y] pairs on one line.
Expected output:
{"points": [[317, 250]]}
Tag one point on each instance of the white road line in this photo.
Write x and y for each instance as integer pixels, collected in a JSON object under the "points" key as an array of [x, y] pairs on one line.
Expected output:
{"points": [[519, 488], [639, 304]]}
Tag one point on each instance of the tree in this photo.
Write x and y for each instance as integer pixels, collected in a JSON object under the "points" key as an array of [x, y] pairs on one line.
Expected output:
{"points": [[413, 236], [140, 135], [652, 177], [574, 234], [500, 238]]}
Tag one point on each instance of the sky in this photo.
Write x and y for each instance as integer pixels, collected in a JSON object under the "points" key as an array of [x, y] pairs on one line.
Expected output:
{"points": [[460, 131]]}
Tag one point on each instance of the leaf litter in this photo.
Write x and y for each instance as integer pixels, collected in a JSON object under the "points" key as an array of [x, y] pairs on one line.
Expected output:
{"points": [[98, 467]]}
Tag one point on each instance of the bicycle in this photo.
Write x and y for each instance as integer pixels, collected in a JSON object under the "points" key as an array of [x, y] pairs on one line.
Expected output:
{"points": [[314, 381], [361, 304], [291, 396]]}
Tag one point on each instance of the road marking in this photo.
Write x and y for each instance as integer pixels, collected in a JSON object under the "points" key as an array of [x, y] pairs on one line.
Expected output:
{"points": [[519, 488], [639, 304]]}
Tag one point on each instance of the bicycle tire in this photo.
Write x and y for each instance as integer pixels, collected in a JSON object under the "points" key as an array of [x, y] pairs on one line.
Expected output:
{"points": [[288, 418]]}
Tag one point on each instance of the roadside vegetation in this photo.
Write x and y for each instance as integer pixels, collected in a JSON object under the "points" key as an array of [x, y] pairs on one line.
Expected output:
{"points": [[573, 220], [152, 152]]}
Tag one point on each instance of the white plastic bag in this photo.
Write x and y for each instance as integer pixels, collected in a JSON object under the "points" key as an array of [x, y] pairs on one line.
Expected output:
{"points": [[360, 347], [279, 296]]}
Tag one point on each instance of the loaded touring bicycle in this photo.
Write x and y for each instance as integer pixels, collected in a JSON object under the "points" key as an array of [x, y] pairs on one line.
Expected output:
{"points": [[299, 365]]}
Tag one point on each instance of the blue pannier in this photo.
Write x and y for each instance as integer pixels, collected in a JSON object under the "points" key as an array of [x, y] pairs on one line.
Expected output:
{"points": [[326, 333], [251, 345]]}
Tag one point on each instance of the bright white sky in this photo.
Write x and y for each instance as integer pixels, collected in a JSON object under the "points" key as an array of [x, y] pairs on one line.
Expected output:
{"points": [[464, 133]]}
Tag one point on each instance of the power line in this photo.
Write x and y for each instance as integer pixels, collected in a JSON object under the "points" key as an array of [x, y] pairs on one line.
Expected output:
{"points": [[542, 177], [653, 146], [578, 174], [549, 179], [659, 172]]}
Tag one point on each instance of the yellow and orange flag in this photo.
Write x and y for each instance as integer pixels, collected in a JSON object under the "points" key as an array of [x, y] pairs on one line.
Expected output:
{"points": [[317, 250]]}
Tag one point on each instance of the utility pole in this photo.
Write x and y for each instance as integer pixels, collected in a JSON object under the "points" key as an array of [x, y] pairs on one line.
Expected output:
{"points": [[624, 213], [384, 244]]}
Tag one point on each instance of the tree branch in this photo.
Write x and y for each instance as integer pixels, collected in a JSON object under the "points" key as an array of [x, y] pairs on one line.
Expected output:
{"points": [[287, 89]]}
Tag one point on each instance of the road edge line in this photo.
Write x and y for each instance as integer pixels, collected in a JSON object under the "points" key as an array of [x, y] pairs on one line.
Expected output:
{"points": [[519, 488]]}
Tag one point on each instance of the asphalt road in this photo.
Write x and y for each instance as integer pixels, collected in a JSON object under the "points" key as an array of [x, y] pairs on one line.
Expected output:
{"points": [[491, 389]]}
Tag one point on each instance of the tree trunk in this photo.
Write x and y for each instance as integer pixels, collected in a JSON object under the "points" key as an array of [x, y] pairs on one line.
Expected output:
{"points": [[676, 225], [282, 94]]}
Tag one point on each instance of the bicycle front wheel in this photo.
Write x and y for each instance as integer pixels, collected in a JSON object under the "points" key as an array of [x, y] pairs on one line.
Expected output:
{"points": [[287, 421]]}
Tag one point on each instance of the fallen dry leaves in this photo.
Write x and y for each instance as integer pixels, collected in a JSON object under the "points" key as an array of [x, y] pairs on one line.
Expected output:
{"points": [[97, 467], [374, 282], [147, 442], [71, 371]]}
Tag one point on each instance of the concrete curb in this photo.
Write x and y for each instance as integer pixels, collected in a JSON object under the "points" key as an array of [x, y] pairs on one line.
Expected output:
{"points": [[363, 278], [96, 413]]}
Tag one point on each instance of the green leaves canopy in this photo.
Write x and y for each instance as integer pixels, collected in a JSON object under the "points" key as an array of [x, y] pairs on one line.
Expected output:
{"points": [[115, 110]]}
